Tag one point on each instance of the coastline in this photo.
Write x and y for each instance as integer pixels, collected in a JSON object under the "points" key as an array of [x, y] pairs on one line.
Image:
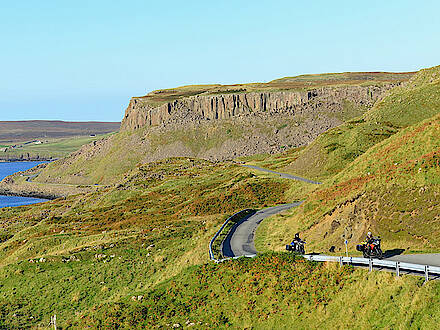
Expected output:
{"points": [[32, 194], [29, 159], [21, 184]]}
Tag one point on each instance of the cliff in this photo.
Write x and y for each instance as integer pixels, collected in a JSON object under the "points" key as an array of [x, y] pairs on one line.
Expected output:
{"points": [[140, 113], [223, 122]]}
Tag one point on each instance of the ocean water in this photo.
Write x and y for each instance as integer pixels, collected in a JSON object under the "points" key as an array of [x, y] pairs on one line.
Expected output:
{"points": [[9, 168]]}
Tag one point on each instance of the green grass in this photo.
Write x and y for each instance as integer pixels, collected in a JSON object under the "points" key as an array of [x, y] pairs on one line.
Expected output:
{"points": [[152, 225], [304, 82], [391, 190], [275, 291], [406, 105], [51, 148], [273, 162]]}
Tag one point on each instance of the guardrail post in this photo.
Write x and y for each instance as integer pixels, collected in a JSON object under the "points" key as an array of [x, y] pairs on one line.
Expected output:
{"points": [[370, 264], [341, 263], [426, 273], [397, 268]]}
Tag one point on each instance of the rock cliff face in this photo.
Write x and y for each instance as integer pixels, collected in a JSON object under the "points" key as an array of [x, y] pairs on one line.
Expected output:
{"points": [[227, 106], [214, 126]]}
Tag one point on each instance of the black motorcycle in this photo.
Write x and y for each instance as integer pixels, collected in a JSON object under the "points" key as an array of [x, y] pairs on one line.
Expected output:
{"points": [[296, 246], [371, 249]]}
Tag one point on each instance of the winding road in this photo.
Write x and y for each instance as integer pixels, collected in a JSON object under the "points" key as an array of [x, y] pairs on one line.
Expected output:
{"points": [[283, 175], [240, 240]]}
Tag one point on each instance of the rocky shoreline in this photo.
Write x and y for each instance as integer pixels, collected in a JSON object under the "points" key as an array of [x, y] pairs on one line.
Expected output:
{"points": [[27, 159], [20, 184], [32, 194]]}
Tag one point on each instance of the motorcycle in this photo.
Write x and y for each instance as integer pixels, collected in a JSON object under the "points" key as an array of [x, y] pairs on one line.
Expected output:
{"points": [[371, 249], [296, 246]]}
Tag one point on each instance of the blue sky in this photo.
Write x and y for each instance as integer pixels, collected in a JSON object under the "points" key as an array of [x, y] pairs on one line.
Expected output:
{"points": [[83, 60]]}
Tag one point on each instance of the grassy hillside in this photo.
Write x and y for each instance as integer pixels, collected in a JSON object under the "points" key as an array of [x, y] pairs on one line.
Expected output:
{"points": [[332, 151], [133, 254], [159, 97], [48, 148], [275, 291], [107, 160], [68, 255], [392, 190]]}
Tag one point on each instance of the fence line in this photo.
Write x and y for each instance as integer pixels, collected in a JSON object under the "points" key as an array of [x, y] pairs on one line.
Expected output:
{"points": [[371, 263]]}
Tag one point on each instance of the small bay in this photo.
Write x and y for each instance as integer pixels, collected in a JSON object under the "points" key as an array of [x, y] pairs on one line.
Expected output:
{"points": [[8, 168]]}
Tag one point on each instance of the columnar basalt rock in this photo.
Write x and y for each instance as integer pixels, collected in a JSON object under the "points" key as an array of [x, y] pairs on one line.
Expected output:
{"points": [[226, 106]]}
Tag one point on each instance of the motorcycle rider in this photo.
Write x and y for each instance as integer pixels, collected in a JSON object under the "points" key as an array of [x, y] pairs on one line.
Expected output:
{"points": [[368, 241], [369, 238], [295, 241]]}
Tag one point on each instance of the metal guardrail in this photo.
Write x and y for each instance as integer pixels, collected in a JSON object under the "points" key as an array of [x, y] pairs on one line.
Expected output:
{"points": [[211, 253], [371, 263]]}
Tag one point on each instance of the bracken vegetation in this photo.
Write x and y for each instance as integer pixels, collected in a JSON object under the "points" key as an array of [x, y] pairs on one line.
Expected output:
{"points": [[276, 291], [391, 189], [104, 245], [134, 253], [406, 105]]}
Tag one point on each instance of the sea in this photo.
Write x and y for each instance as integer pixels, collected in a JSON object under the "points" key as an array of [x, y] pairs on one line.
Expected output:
{"points": [[9, 168]]}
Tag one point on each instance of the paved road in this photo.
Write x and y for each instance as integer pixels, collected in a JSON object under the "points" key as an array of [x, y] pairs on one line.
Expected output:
{"points": [[31, 177], [240, 241], [431, 259], [283, 175]]}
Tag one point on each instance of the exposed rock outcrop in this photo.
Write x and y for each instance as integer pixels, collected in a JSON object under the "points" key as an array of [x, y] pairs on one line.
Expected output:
{"points": [[226, 106]]}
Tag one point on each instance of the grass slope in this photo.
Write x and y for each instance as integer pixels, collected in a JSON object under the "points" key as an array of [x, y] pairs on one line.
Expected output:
{"points": [[276, 291], [108, 160], [332, 151], [393, 190], [68, 255], [50, 148]]}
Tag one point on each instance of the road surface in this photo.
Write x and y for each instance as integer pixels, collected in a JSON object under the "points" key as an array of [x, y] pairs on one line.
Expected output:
{"points": [[283, 175], [240, 240], [430, 259]]}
